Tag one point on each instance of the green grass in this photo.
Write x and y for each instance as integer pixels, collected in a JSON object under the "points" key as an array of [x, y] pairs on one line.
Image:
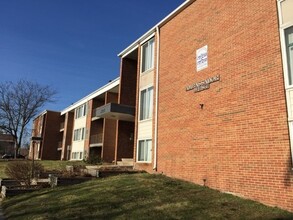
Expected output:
{"points": [[137, 196], [2, 168], [48, 165], [58, 164]]}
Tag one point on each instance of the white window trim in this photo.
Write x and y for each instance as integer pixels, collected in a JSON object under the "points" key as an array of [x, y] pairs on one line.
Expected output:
{"points": [[139, 109], [282, 28], [77, 156], [85, 111], [137, 147], [130, 51], [285, 57], [141, 55], [82, 134], [286, 25], [148, 38]]}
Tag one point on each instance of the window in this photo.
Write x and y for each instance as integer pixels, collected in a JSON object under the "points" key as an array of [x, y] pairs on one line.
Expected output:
{"points": [[289, 51], [73, 155], [147, 56], [76, 155], [144, 153], [81, 111], [79, 134], [146, 104]]}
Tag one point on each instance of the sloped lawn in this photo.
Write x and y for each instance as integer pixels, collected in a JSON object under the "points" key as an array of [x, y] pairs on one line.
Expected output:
{"points": [[137, 196]]}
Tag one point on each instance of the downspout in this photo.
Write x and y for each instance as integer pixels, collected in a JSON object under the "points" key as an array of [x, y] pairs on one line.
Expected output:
{"points": [[157, 98]]}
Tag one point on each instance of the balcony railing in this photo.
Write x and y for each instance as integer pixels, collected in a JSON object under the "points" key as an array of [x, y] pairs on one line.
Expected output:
{"points": [[96, 139], [62, 126], [60, 145], [95, 113]]}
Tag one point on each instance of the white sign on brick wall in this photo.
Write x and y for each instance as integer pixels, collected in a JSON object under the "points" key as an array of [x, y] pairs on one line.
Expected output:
{"points": [[202, 58]]}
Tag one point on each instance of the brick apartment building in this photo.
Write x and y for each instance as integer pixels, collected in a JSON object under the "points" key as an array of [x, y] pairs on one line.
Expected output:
{"points": [[88, 127], [44, 127], [85, 132], [211, 87], [7, 144], [212, 81]]}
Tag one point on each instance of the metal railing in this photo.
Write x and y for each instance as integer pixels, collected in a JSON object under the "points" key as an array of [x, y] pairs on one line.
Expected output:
{"points": [[95, 113], [62, 126], [60, 144], [96, 138]]}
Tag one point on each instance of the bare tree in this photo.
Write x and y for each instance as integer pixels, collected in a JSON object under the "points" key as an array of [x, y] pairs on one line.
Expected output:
{"points": [[20, 102]]}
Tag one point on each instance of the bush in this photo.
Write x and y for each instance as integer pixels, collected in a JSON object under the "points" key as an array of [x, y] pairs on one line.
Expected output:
{"points": [[93, 159], [21, 171]]}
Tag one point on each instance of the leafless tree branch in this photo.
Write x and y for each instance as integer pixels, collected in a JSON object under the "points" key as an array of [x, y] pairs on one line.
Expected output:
{"points": [[20, 102]]}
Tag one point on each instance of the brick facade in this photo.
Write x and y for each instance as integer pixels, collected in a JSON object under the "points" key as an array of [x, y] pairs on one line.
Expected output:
{"points": [[237, 140], [67, 135], [47, 148], [109, 131], [88, 128], [50, 137], [127, 96], [233, 135], [6, 144]]}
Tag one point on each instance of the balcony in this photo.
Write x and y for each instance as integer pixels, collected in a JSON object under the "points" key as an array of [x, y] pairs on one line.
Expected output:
{"points": [[95, 115], [62, 126], [96, 140], [59, 145], [115, 111]]}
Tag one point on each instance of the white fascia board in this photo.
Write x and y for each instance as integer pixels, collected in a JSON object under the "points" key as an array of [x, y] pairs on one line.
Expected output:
{"points": [[153, 29], [42, 113], [91, 96], [131, 49], [135, 44]]}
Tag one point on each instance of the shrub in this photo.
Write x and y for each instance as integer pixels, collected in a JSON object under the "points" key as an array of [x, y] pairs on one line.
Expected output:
{"points": [[93, 159], [21, 171], [77, 168]]}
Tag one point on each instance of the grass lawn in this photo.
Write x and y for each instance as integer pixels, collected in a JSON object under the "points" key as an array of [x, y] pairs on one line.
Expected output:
{"points": [[48, 165], [136, 196]]}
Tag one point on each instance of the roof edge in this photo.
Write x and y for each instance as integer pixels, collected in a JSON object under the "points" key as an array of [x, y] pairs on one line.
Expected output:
{"points": [[92, 95], [153, 29]]}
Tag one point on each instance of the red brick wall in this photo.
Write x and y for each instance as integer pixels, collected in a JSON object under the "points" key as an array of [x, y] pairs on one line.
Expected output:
{"points": [[33, 146], [88, 127], [51, 130], [239, 141], [109, 140], [45, 126], [96, 127], [61, 136], [128, 79], [124, 144], [67, 134], [127, 96]]}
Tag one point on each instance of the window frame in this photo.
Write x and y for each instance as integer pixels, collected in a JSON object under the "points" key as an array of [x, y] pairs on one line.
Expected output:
{"points": [[150, 150], [283, 26], [81, 111], [76, 155], [142, 60], [79, 134], [151, 103], [288, 68]]}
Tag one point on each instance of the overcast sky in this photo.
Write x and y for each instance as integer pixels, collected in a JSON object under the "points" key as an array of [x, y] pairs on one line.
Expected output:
{"points": [[72, 45]]}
